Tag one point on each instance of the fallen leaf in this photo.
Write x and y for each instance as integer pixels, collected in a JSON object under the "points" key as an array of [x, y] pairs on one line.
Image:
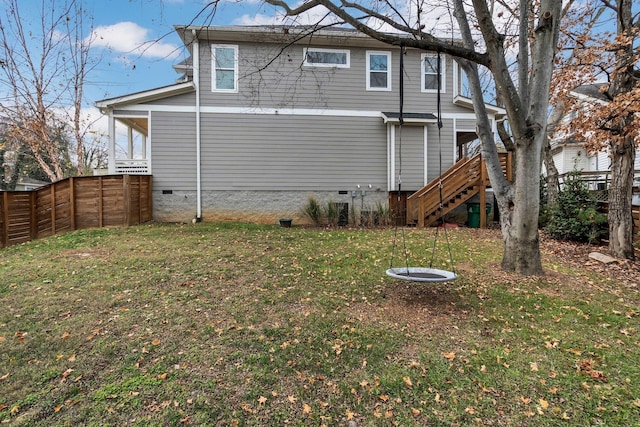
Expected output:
{"points": [[14, 410], [4, 377], [162, 376], [544, 404], [262, 400], [407, 381], [534, 366], [525, 400], [57, 408], [72, 358], [306, 409], [65, 335], [449, 356], [292, 399], [155, 342], [415, 412], [2, 339]]}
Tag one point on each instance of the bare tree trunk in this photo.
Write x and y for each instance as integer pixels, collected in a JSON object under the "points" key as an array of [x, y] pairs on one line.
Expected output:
{"points": [[620, 216], [552, 178], [520, 225]]}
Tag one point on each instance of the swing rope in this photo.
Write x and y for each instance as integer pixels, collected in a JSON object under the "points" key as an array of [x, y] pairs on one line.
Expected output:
{"points": [[440, 207], [419, 274], [399, 197]]}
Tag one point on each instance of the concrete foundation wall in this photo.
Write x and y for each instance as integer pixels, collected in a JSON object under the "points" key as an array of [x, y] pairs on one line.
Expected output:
{"points": [[264, 207]]}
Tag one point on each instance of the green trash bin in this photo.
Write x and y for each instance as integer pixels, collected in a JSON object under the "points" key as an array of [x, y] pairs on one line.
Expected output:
{"points": [[473, 214]]}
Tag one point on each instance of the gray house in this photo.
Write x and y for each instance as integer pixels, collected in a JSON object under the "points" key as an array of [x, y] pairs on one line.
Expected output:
{"points": [[262, 117]]}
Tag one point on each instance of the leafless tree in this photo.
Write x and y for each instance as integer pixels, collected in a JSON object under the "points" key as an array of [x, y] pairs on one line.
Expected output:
{"points": [[44, 66]]}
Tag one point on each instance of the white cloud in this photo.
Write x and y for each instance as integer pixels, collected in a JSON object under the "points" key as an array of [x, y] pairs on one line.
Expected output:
{"points": [[314, 16], [129, 39]]}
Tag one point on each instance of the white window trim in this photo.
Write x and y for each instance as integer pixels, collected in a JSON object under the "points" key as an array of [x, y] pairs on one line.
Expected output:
{"points": [[443, 73], [319, 49], [388, 55], [235, 67]]}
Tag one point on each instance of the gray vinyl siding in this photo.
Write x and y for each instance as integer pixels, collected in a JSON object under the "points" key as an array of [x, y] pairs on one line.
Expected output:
{"points": [[173, 139], [269, 78], [466, 125], [410, 157], [307, 153], [436, 145], [183, 100]]}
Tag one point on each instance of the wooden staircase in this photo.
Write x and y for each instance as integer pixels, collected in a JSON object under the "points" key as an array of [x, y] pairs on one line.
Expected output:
{"points": [[460, 182]]}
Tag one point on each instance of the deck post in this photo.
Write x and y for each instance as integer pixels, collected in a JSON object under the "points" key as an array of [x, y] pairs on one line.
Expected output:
{"points": [[483, 195]]}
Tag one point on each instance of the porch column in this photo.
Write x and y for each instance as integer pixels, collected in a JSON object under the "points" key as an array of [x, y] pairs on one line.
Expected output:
{"points": [[112, 144]]}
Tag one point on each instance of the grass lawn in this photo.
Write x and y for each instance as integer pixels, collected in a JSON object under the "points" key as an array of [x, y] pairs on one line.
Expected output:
{"points": [[237, 324]]}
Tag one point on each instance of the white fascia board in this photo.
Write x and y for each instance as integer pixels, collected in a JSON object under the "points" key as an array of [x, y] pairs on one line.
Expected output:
{"points": [[587, 98], [279, 111], [145, 96], [463, 101]]}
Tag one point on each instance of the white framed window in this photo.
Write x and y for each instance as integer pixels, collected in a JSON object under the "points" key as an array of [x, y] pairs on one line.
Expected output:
{"points": [[378, 70], [429, 79], [319, 57], [224, 68]]}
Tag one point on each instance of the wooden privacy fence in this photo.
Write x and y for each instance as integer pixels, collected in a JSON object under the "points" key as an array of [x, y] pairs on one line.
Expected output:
{"points": [[74, 204]]}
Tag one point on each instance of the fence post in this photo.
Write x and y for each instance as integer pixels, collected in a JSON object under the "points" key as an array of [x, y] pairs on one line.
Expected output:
{"points": [[33, 220], [72, 204], [100, 202], [4, 239], [149, 216], [52, 196], [126, 189]]}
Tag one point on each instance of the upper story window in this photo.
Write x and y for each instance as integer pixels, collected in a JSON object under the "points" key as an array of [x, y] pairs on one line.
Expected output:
{"points": [[378, 70], [317, 57], [430, 72], [224, 68]]}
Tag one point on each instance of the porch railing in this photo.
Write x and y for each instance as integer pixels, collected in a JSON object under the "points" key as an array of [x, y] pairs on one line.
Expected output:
{"points": [[132, 167]]}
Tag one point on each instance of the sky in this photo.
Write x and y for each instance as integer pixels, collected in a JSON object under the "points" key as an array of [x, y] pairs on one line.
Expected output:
{"points": [[138, 46], [134, 43]]}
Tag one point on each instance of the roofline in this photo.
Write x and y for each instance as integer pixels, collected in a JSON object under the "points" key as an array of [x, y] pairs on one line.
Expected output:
{"points": [[585, 97], [145, 96], [464, 101], [276, 34]]}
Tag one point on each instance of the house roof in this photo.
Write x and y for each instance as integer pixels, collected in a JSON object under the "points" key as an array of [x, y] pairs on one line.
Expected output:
{"points": [[146, 95], [334, 36], [592, 91]]}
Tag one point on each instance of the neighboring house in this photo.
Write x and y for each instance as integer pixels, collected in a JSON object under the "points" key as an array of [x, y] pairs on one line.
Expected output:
{"points": [[25, 183], [571, 155], [262, 117]]}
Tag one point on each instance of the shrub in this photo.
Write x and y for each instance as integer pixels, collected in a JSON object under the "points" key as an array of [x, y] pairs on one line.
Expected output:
{"points": [[313, 210], [331, 212], [575, 217]]}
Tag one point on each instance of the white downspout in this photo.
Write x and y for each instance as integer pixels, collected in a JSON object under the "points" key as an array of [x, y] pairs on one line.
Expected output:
{"points": [[196, 81]]}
